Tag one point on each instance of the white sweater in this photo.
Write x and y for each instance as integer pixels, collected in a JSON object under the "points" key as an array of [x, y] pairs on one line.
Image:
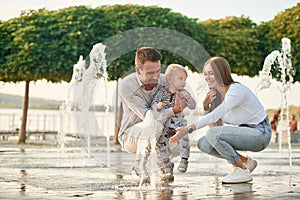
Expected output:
{"points": [[240, 106]]}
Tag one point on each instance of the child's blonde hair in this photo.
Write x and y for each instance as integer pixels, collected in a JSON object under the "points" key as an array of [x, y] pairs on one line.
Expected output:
{"points": [[173, 67]]}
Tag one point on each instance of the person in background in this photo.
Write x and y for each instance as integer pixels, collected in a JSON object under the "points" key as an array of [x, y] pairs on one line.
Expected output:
{"points": [[274, 123], [293, 124], [136, 92], [250, 128], [176, 76]]}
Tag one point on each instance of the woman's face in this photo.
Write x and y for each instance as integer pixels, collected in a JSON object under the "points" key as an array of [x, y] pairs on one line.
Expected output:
{"points": [[210, 77]]}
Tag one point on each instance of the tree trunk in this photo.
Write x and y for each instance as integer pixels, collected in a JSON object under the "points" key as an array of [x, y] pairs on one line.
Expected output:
{"points": [[118, 124], [22, 131], [118, 116]]}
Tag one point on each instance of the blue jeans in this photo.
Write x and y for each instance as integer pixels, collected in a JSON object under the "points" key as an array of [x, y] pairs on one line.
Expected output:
{"points": [[223, 141]]}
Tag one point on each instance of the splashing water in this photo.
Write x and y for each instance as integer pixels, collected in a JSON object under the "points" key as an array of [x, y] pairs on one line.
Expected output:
{"points": [[287, 72], [148, 155], [80, 97], [80, 100], [202, 88], [66, 107], [84, 95]]}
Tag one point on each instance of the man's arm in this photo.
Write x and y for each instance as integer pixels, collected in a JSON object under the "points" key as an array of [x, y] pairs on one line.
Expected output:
{"points": [[139, 102], [133, 100]]}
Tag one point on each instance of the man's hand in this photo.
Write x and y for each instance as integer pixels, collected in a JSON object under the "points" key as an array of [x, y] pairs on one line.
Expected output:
{"points": [[179, 105], [160, 105]]}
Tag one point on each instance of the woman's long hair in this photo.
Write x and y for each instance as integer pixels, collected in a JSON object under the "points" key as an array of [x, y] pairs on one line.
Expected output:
{"points": [[217, 101], [222, 72]]}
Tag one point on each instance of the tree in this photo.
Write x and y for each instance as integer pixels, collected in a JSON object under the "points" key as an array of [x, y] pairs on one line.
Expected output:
{"points": [[40, 45], [129, 17], [45, 44], [285, 24], [236, 39]]}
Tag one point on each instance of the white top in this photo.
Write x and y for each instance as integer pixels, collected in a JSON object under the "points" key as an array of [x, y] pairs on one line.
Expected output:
{"points": [[240, 106]]}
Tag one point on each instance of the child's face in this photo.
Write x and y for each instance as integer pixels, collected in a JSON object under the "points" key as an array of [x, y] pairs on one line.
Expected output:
{"points": [[178, 79]]}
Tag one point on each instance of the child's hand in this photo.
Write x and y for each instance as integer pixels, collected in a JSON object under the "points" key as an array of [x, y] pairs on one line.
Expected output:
{"points": [[160, 105], [185, 94], [180, 104]]}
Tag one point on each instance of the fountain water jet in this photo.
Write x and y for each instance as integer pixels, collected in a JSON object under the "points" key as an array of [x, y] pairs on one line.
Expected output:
{"points": [[281, 60], [79, 102], [147, 151], [66, 107]]}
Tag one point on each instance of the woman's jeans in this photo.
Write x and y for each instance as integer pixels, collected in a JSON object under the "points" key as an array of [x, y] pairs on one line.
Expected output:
{"points": [[223, 141]]}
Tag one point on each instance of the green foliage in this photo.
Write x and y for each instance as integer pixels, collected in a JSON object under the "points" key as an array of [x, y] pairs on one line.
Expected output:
{"points": [[45, 44], [132, 18], [236, 39], [245, 45], [285, 24]]}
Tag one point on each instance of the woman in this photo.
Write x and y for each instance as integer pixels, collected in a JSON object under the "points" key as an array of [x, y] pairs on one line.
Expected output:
{"points": [[250, 128]]}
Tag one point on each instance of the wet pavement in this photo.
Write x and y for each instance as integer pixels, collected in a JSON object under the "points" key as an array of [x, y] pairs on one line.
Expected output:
{"points": [[44, 171]]}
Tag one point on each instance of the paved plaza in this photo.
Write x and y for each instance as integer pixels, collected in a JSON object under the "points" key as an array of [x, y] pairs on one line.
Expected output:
{"points": [[44, 171]]}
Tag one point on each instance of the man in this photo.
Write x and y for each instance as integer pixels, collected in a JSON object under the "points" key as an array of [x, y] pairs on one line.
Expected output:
{"points": [[136, 92]]}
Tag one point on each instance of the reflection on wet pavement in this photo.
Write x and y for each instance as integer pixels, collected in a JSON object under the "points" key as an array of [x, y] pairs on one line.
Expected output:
{"points": [[23, 175], [44, 173]]}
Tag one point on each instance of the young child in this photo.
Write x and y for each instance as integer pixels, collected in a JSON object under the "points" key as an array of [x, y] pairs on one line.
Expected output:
{"points": [[176, 76]]}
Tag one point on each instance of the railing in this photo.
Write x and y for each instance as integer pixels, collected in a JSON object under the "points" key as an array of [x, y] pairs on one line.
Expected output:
{"points": [[53, 122]]}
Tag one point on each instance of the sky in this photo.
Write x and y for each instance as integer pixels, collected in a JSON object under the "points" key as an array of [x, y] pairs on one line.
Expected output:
{"points": [[257, 10]]}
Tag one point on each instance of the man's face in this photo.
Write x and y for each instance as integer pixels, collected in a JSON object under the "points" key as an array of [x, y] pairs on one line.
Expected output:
{"points": [[149, 73]]}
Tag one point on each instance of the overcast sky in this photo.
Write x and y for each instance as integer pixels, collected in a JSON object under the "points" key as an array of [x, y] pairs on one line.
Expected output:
{"points": [[256, 10]]}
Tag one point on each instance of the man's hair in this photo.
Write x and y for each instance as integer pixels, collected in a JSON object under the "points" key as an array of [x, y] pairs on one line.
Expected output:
{"points": [[144, 54]]}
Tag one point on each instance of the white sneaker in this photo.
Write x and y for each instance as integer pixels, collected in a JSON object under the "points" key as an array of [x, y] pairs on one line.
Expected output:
{"points": [[251, 164], [238, 175]]}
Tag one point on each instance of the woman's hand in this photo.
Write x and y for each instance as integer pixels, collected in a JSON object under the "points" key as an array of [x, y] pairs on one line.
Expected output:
{"points": [[210, 96], [180, 132]]}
